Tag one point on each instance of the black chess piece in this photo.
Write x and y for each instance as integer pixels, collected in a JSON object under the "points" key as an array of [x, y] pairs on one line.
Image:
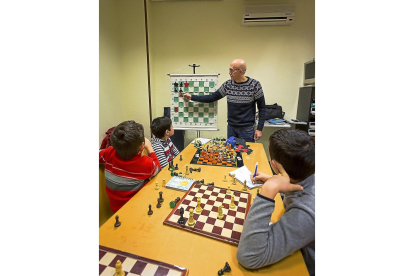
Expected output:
{"points": [[150, 212], [191, 170], [181, 158], [176, 167], [161, 199], [177, 200], [225, 269], [159, 203], [202, 181], [181, 220], [117, 223]]}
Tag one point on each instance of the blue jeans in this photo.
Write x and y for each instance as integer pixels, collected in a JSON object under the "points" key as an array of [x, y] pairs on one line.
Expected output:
{"points": [[246, 133]]}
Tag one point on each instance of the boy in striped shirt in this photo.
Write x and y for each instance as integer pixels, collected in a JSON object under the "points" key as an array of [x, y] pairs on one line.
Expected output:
{"points": [[126, 169], [163, 129]]}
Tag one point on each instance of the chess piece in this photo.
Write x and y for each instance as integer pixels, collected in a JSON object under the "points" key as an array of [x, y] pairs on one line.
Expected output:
{"points": [[186, 171], [156, 186], [225, 269], [244, 186], [174, 202], [150, 212], [228, 190], [181, 158], [199, 209], [118, 269], [163, 182], [257, 191], [220, 212], [234, 179], [161, 199], [117, 223], [198, 170], [191, 220], [172, 171], [191, 170], [176, 167], [159, 203], [224, 180], [232, 205], [181, 220]]}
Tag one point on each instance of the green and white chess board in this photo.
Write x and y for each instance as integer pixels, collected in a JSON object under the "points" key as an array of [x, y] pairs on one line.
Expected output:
{"points": [[189, 114]]}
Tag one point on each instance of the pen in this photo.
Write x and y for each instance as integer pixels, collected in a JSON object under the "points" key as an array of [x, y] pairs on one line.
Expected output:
{"points": [[255, 170]]}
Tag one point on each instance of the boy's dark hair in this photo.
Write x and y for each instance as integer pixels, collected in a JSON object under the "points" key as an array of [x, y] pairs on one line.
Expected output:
{"points": [[127, 138], [160, 125], [295, 150]]}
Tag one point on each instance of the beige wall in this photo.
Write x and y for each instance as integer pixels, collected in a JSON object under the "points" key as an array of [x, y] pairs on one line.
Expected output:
{"points": [[208, 33], [123, 79]]}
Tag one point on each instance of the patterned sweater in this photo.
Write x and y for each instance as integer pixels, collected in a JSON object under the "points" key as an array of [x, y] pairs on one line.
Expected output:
{"points": [[241, 102], [165, 150], [124, 178]]}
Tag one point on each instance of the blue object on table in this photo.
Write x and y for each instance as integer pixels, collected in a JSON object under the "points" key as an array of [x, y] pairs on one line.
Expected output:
{"points": [[255, 170], [276, 121], [231, 141]]}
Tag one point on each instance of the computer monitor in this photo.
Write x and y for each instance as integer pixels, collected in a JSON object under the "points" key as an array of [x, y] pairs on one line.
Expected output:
{"points": [[309, 73]]}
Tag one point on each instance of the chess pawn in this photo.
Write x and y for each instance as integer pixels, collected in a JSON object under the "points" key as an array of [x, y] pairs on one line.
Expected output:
{"points": [[228, 190], [191, 220], [220, 212], [234, 179], [156, 186], [225, 180], [186, 170], [232, 205], [199, 209], [163, 182], [118, 269], [244, 186]]}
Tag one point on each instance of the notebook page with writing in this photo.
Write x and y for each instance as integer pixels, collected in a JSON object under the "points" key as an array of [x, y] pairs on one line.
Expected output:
{"points": [[242, 174]]}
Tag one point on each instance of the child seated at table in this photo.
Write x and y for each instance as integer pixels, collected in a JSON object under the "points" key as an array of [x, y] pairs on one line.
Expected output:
{"points": [[163, 129], [292, 155], [126, 169]]}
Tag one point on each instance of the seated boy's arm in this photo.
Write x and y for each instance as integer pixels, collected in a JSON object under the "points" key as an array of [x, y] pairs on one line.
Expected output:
{"points": [[101, 156], [261, 245], [159, 151], [156, 167], [175, 151]]}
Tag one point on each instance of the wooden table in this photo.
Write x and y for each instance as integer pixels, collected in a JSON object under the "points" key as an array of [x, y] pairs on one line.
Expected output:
{"points": [[146, 235]]}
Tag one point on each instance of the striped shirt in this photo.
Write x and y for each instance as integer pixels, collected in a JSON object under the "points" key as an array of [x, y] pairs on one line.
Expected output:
{"points": [[165, 150], [124, 178]]}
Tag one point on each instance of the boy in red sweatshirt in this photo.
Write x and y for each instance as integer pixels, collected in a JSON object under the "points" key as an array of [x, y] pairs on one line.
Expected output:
{"points": [[126, 170]]}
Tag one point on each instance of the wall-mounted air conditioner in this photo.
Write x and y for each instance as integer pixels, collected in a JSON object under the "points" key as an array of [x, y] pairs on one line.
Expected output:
{"points": [[265, 15]]}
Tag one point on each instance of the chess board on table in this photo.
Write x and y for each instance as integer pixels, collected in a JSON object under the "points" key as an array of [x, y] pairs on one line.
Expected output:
{"points": [[134, 265], [229, 228], [217, 153], [180, 183], [189, 114]]}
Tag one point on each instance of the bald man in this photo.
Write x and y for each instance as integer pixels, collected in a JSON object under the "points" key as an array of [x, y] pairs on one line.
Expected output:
{"points": [[243, 94]]}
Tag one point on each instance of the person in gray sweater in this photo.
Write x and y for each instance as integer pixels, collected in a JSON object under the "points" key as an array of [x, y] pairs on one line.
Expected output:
{"points": [[292, 154]]}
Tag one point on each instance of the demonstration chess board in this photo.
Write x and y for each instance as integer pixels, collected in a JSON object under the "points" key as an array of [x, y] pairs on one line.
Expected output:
{"points": [[180, 183], [189, 114], [229, 228], [134, 265], [199, 160]]}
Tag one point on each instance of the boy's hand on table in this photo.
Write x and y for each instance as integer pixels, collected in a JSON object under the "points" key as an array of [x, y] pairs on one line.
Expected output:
{"points": [[260, 177], [279, 183]]}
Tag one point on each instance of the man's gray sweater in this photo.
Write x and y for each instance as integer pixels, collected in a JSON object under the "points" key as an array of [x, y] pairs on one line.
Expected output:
{"points": [[262, 244]]}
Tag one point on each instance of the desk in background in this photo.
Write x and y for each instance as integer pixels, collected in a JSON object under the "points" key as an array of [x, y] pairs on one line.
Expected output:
{"points": [[148, 237]]}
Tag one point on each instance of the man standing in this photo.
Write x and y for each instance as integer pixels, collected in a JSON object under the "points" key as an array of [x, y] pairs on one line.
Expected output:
{"points": [[243, 93]]}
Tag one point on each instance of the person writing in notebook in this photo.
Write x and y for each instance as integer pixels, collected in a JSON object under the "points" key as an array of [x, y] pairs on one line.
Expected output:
{"points": [[243, 94], [292, 157]]}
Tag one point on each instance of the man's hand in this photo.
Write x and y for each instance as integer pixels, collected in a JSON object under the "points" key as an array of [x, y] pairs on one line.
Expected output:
{"points": [[257, 135], [186, 96], [260, 177], [279, 183]]}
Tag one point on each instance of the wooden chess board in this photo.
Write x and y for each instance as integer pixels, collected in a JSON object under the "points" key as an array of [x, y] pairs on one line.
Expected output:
{"points": [[229, 228], [134, 265]]}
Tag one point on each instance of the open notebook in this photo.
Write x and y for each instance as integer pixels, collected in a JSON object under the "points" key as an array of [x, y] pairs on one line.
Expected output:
{"points": [[242, 174]]}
